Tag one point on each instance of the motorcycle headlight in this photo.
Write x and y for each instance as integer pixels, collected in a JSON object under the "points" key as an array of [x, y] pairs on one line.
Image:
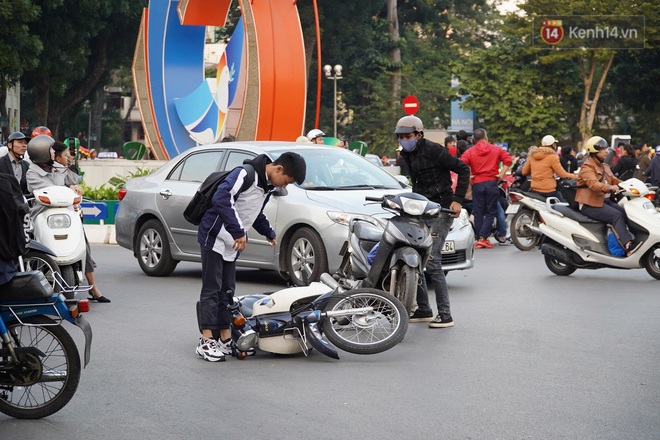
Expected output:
{"points": [[59, 221], [414, 207], [247, 340]]}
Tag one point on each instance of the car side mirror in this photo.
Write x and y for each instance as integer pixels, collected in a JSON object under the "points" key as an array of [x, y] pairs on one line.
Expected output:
{"points": [[280, 192], [402, 179]]}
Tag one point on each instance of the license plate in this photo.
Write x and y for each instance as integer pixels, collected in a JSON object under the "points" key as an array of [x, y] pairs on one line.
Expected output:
{"points": [[512, 208], [449, 247]]}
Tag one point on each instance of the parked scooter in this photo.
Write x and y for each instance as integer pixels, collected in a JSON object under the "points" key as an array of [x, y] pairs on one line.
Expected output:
{"points": [[572, 241], [297, 319], [39, 361], [404, 245], [58, 228]]}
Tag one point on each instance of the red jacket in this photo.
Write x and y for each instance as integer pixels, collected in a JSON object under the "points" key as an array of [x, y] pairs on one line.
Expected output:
{"points": [[484, 161]]}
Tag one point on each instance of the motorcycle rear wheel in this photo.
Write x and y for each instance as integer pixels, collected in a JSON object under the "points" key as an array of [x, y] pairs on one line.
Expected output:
{"points": [[58, 375], [406, 287], [372, 333], [651, 262], [557, 267], [523, 238]]}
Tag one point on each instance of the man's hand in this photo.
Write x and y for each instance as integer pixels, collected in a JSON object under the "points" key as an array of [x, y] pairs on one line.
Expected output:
{"points": [[273, 242], [455, 206], [240, 244]]}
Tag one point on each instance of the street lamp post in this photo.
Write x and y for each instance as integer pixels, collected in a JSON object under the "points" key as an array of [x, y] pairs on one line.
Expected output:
{"points": [[337, 75]]}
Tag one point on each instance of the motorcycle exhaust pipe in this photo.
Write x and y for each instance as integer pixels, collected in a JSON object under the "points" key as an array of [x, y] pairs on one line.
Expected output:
{"points": [[329, 281], [534, 229], [556, 252]]}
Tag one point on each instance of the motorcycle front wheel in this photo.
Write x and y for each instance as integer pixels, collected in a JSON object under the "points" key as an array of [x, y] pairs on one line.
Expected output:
{"points": [[35, 260], [651, 262], [365, 333], [406, 287], [43, 385], [521, 236]]}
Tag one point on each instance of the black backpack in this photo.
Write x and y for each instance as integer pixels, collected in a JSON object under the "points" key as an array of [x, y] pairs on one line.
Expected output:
{"points": [[14, 219], [201, 201]]}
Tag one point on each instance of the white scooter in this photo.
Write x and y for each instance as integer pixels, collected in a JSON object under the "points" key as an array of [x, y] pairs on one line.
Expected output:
{"points": [[572, 241], [58, 226]]}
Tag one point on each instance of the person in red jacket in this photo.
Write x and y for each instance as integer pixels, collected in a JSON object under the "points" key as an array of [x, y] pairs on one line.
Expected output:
{"points": [[484, 161]]}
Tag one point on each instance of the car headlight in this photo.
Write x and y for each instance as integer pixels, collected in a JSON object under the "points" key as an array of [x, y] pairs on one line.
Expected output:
{"points": [[463, 219], [59, 221], [343, 218]]}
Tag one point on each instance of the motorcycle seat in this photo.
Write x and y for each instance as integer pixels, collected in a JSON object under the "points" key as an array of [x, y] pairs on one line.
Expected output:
{"points": [[26, 286], [367, 231], [574, 214]]}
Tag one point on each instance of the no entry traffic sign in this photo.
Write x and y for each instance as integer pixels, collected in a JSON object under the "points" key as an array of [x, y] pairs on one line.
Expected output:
{"points": [[410, 105]]}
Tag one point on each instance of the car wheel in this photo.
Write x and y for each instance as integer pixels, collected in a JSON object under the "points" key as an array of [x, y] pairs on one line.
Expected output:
{"points": [[153, 250], [306, 258]]}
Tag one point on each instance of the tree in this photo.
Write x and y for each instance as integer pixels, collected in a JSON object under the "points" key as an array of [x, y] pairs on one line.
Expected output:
{"points": [[19, 49], [518, 99], [82, 43], [594, 64]]}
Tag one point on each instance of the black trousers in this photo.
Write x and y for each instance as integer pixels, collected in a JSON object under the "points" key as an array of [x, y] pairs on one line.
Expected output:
{"points": [[613, 214]]}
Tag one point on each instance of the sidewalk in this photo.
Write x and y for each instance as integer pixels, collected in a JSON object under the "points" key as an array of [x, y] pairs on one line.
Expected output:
{"points": [[100, 234]]}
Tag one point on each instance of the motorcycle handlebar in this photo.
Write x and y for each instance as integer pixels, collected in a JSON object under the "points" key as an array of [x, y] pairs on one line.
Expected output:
{"points": [[373, 199]]}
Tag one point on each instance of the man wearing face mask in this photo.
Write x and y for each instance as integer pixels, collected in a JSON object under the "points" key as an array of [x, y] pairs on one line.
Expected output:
{"points": [[429, 165]]}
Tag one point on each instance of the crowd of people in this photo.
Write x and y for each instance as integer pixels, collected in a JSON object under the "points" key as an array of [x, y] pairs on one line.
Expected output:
{"points": [[38, 162]]}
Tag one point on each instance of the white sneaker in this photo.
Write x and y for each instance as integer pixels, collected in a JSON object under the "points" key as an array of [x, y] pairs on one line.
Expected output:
{"points": [[209, 350], [225, 347]]}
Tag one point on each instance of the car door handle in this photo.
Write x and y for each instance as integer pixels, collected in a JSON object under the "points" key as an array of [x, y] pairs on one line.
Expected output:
{"points": [[166, 193]]}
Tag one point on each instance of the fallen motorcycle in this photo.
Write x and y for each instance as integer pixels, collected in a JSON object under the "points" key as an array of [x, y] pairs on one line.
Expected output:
{"points": [[318, 316], [39, 361]]}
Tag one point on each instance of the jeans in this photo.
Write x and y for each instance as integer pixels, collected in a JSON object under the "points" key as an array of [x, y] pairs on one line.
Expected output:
{"points": [[501, 220], [218, 287], [613, 214], [439, 229], [485, 196]]}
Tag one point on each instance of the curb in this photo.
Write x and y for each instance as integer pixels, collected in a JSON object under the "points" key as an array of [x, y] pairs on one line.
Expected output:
{"points": [[100, 234]]}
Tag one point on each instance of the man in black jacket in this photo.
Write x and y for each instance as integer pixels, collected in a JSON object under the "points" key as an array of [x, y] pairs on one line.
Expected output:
{"points": [[429, 165], [13, 162]]}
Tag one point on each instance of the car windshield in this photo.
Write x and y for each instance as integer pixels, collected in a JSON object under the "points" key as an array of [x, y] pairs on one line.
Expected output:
{"points": [[332, 169]]}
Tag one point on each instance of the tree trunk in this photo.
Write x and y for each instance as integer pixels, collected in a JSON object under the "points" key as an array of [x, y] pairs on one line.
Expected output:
{"points": [[589, 102], [97, 118], [395, 53]]}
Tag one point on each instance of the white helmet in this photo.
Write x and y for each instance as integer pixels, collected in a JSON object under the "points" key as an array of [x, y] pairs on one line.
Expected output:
{"points": [[313, 134], [409, 124], [548, 141]]}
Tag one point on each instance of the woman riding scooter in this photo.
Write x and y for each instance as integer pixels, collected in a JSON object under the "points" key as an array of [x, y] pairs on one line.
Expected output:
{"points": [[595, 181], [48, 168]]}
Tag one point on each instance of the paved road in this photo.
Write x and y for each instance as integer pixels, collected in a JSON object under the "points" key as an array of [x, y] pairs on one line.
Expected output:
{"points": [[532, 356]]}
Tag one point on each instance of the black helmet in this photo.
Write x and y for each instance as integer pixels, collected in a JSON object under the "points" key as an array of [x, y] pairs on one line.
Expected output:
{"points": [[16, 136], [39, 149]]}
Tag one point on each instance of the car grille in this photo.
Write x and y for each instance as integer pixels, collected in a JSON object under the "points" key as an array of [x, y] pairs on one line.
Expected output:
{"points": [[456, 257]]}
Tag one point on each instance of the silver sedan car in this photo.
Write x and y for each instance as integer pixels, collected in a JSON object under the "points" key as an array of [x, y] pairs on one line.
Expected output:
{"points": [[310, 219]]}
